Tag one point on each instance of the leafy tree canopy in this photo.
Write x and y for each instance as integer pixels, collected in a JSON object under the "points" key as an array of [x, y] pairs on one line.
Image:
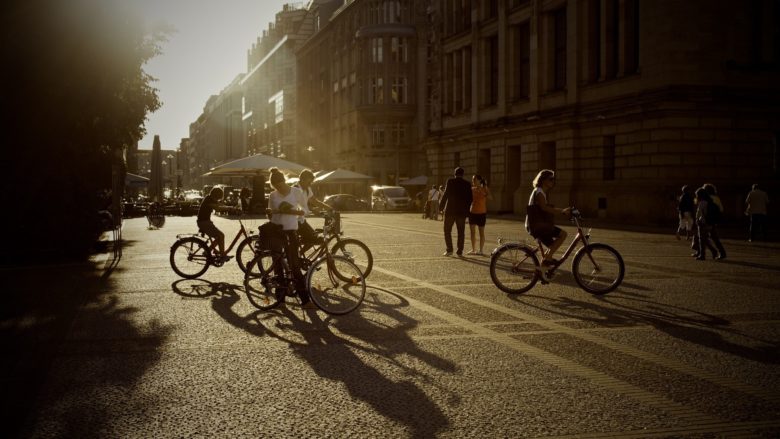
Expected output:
{"points": [[76, 92]]}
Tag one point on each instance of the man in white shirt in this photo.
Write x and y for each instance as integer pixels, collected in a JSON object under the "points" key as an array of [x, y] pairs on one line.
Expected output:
{"points": [[433, 196], [756, 207]]}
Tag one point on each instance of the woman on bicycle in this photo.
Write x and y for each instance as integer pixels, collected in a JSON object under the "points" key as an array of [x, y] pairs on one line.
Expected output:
{"points": [[540, 219], [286, 205], [205, 225]]}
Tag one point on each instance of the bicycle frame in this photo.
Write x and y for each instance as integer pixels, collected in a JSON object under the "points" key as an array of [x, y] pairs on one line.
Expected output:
{"points": [[579, 237]]}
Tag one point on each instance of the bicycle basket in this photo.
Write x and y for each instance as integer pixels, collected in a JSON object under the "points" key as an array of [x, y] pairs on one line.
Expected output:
{"points": [[271, 237], [333, 223]]}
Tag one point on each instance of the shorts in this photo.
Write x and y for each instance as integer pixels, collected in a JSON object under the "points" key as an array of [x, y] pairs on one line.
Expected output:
{"points": [[210, 229], [478, 219], [547, 235]]}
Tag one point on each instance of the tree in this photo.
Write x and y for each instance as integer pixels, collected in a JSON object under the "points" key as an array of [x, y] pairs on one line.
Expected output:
{"points": [[77, 93]]}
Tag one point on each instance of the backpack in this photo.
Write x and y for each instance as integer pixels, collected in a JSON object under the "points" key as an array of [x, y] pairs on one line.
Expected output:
{"points": [[713, 213]]}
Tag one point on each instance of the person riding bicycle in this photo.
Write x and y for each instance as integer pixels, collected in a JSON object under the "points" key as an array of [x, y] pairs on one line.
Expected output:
{"points": [[540, 217], [286, 205], [204, 220], [305, 231]]}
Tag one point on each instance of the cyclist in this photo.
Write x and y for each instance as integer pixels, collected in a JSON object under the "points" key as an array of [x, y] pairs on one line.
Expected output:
{"points": [[305, 231], [540, 221], [286, 205], [204, 220]]}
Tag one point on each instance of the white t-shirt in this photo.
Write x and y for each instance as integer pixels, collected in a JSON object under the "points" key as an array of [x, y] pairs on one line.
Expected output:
{"points": [[532, 200], [295, 198], [307, 195], [434, 194]]}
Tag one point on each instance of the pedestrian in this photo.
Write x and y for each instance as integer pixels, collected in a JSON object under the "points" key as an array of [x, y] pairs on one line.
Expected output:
{"points": [[540, 218], [478, 212], [714, 218], [456, 201], [756, 202], [703, 203], [685, 211], [286, 204], [433, 208], [245, 201]]}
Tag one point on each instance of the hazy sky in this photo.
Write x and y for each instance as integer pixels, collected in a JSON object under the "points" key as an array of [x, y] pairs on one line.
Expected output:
{"points": [[202, 57]]}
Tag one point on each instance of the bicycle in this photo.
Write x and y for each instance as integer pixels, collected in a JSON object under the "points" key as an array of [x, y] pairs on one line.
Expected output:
{"points": [[597, 268], [334, 283], [192, 253], [355, 250]]}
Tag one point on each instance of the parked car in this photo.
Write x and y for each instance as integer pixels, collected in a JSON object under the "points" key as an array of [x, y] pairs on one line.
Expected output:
{"points": [[390, 198], [346, 202]]}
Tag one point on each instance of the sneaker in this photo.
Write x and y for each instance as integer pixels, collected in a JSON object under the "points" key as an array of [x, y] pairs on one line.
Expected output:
{"points": [[479, 253], [542, 273], [447, 253], [460, 254], [471, 252]]}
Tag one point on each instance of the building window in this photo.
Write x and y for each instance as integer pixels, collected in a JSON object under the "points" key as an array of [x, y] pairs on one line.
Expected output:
{"points": [[594, 40], [392, 11], [609, 158], [398, 49], [491, 70], [632, 36], [398, 135], [491, 9], [547, 155], [398, 90], [376, 50], [376, 91], [377, 137], [518, 3], [612, 43], [559, 49], [522, 74], [458, 16]]}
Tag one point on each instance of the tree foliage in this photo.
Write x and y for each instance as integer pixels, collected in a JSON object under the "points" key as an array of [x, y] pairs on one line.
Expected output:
{"points": [[77, 93]]}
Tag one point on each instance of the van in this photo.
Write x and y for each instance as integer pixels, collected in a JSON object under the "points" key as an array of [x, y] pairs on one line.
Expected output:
{"points": [[390, 198]]}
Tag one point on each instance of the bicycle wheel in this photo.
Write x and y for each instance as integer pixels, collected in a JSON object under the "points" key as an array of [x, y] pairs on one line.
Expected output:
{"points": [[598, 268], [264, 291], [513, 268], [357, 252], [328, 289], [246, 251], [190, 257]]}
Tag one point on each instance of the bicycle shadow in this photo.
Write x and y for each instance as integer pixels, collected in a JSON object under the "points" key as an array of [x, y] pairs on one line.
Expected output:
{"points": [[685, 324], [334, 356]]}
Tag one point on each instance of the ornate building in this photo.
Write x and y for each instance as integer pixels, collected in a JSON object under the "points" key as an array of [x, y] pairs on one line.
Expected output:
{"points": [[626, 99], [360, 78]]}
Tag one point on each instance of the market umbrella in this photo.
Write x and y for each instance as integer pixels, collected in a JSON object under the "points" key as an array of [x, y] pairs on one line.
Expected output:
{"points": [[135, 181], [420, 180], [249, 166], [342, 176]]}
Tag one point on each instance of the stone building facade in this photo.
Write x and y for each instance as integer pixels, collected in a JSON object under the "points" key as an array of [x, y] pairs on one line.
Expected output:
{"points": [[626, 99], [269, 94], [217, 136], [360, 82]]}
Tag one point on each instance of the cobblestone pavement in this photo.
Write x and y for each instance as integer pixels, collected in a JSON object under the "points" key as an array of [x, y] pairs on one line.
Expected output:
{"points": [[683, 349]]}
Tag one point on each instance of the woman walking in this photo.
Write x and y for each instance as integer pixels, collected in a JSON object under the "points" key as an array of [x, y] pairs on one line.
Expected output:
{"points": [[478, 213]]}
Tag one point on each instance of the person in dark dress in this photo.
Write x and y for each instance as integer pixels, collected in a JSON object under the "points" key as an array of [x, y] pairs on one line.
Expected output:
{"points": [[455, 202]]}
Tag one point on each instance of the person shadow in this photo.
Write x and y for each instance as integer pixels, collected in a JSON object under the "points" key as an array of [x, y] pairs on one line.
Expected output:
{"points": [[334, 347], [682, 323]]}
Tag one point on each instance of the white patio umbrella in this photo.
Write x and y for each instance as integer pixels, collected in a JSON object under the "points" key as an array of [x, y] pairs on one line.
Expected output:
{"points": [[135, 181], [249, 166], [420, 180], [342, 176]]}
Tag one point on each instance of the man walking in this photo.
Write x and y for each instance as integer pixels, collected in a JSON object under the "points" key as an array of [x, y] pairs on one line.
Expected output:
{"points": [[756, 207], [456, 201]]}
